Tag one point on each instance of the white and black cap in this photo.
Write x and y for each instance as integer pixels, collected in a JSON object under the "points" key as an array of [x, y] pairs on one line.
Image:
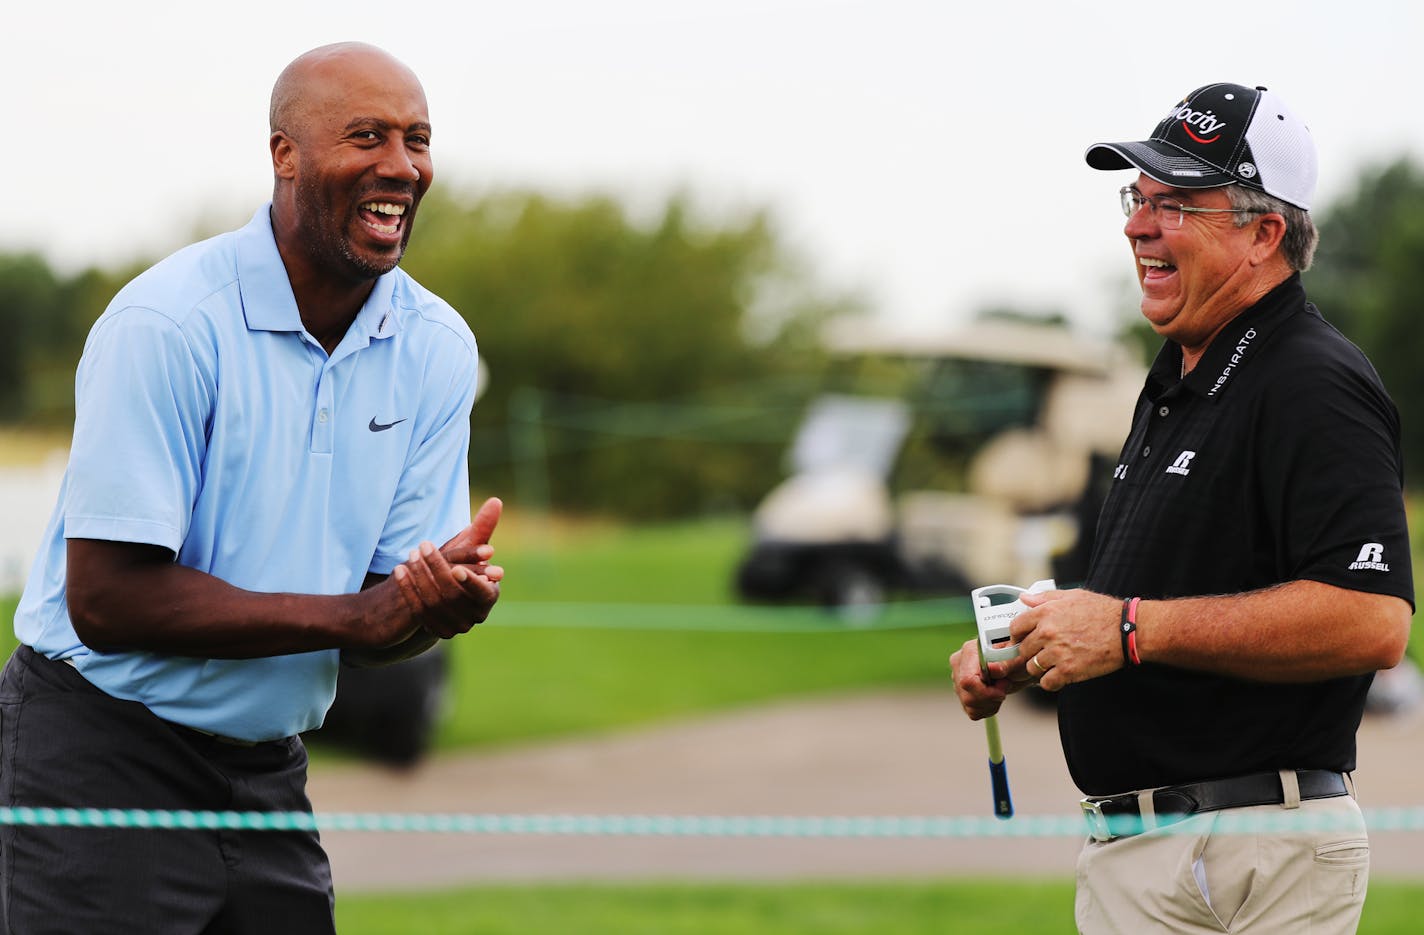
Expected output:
{"points": [[1223, 134]]}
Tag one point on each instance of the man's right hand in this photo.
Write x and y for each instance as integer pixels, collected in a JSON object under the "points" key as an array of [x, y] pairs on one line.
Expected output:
{"points": [[978, 698]]}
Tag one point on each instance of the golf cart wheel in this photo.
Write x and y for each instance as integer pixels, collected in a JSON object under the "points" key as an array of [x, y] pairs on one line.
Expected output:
{"points": [[852, 590], [389, 713]]}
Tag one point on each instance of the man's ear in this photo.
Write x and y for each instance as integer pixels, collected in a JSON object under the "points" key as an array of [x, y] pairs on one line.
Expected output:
{"points": [[284, 155], [1270, 231]]}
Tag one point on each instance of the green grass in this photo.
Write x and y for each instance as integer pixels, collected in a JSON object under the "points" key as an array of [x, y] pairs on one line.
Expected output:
{"points": [[841, 908], [718, 909], [512, 684], [611, 627], [7, 620]]}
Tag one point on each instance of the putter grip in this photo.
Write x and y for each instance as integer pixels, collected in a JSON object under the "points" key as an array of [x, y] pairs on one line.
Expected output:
{"points": [[999, 778]]}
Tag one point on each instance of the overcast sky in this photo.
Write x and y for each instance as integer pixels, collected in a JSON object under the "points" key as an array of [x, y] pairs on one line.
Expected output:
{"points": [[925, 154]]}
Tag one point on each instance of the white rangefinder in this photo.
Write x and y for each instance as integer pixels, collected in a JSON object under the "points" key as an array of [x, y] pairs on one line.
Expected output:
{"points": [[994, 618]]}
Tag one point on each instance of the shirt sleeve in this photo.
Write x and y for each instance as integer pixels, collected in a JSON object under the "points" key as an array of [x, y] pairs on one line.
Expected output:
{"points": [[139, 433], [432, 499], [1330, 453]]}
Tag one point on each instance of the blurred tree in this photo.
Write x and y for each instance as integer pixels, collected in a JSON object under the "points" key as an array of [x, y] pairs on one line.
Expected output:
{"points": [[28, 299], [648, 369], [1368, 279], [45, 318]]}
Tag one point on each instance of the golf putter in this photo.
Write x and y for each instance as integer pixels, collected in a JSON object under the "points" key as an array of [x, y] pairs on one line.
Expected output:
{"points": [[994, 619]]}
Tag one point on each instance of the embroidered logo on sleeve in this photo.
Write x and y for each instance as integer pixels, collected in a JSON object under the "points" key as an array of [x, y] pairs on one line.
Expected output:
{"points": [[1371, 558], [1183, 464]]}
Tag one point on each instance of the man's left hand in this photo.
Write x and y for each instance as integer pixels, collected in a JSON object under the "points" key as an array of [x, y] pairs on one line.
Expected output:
{"points": [[1068, 636], [451, 589]]}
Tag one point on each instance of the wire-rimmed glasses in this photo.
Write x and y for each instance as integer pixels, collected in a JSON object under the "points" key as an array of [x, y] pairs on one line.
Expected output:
{"points": [[1168, 213]]}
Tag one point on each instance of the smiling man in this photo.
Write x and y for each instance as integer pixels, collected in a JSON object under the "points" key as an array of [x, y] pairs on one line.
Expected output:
{"points": [[1251, 566], [271, 432], [351, 155]]}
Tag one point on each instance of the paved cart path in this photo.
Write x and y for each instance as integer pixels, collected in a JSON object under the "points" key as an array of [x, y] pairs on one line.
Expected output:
{"points": [[896, 753]]}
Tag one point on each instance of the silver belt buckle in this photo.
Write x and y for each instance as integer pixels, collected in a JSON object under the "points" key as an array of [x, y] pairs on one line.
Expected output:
{"points": [[1098, 828]]}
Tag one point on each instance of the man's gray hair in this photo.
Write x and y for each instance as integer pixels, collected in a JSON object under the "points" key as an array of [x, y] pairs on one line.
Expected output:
{"points": [[1298, 245]]}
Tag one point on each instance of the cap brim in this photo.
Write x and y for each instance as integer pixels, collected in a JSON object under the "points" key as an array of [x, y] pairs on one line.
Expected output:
{"points": [[1161, 162]]}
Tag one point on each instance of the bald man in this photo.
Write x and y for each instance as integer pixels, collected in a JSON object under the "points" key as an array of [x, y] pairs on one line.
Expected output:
{"points": [[271, 432]]}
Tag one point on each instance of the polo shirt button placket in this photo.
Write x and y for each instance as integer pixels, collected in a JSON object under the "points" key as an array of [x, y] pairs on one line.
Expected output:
{"points": [[324, 429]]}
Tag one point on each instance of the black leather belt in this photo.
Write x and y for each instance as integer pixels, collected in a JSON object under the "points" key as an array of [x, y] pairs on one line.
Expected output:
{"points": [[217, 738], [1119, 816]]}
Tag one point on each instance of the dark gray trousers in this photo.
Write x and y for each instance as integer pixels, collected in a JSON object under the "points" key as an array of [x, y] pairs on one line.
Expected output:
{"points": [[66, 744]]}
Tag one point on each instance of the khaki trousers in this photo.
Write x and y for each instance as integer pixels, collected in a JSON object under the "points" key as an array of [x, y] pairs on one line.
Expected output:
{"points": [[1191, 878]]}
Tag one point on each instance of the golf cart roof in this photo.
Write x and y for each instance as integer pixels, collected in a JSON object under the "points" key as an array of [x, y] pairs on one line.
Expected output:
{"points": [[1031, 345]]}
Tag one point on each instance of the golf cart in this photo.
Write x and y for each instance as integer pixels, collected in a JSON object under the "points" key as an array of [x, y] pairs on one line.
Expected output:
{"points": [[942, 462]]}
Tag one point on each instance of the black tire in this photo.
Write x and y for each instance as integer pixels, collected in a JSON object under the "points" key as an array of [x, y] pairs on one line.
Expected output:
{"points": [[389, 713], [854, 591], [769, 573]]}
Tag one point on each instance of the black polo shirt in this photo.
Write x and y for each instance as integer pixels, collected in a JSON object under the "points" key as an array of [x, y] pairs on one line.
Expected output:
{"points": [[1276, 459]]}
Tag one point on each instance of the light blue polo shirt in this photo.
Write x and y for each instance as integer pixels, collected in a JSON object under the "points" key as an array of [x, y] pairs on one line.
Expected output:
{"points": [[210, 423]]}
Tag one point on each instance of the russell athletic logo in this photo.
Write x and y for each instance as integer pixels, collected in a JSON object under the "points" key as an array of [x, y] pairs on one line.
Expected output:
{"points": [[1183, 464], [1371, 558], [1208, 128]]}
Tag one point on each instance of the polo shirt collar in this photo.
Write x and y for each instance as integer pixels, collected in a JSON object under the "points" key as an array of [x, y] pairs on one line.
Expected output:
{"points": [[376, 320], [1235, 346], [267, 300]]}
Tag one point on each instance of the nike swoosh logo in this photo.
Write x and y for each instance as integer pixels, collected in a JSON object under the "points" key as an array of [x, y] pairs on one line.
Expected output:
{"points": [[379, 427]]}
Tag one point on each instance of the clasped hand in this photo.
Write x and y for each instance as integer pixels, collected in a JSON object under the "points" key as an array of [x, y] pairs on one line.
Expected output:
{"points": [[451, 589], [1064, 637]]}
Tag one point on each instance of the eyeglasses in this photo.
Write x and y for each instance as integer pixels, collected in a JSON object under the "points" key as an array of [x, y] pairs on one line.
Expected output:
{"points": [[1168, 213]]}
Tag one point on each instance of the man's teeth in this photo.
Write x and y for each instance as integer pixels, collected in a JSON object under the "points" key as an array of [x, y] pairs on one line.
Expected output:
{"points": [[387, 209], [1153, 263]]}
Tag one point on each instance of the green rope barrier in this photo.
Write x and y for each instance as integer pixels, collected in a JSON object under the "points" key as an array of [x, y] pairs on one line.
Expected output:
{"points": [[738, 826]]}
